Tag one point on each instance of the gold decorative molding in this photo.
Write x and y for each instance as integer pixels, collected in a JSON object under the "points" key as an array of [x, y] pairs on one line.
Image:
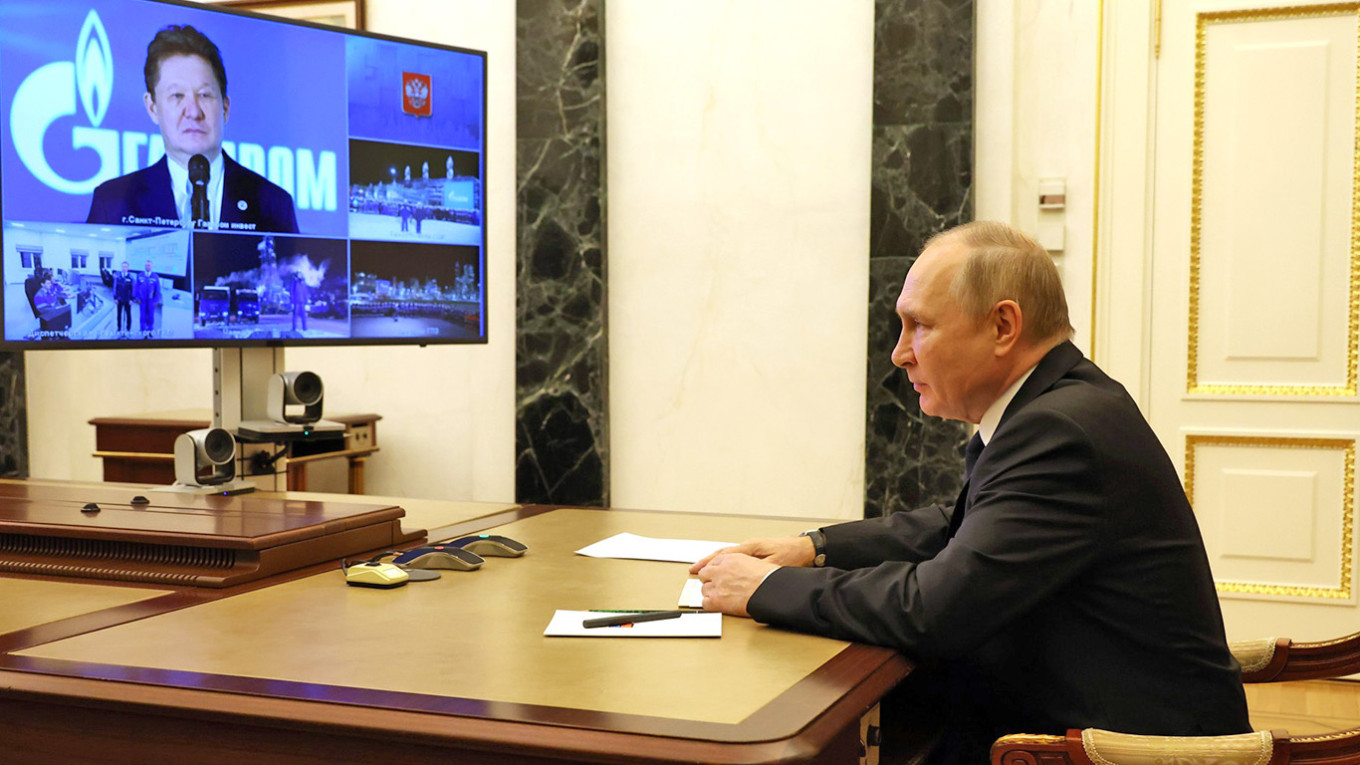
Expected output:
{"points": [[1347, 446], [1193, 384], [1095, 180]]}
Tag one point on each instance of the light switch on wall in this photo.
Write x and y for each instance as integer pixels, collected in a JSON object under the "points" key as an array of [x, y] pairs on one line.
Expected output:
{"points": [[1052, 222]]}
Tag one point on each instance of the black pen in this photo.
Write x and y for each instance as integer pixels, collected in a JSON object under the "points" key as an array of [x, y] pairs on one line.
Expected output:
{"points": [[614, 621]]}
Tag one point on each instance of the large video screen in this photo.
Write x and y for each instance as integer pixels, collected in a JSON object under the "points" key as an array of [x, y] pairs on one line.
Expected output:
{"points": [[181, 175]]}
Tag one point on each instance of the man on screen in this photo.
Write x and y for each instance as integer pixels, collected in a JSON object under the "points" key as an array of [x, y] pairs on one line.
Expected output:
{"points": [[195, 184], [124, 284], [148, 295]]}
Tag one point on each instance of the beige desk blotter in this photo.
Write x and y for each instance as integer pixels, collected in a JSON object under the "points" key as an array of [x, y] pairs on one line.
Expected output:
{"points": [[479, 634], [29, 603]]}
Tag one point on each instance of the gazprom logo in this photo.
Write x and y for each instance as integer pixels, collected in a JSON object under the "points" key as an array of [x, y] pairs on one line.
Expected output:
{"points": [[94, 69], [50, 93]]}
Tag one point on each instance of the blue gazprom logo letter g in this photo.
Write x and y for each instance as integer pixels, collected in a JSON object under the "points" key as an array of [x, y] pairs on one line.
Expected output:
{"points": [[49, 93]]}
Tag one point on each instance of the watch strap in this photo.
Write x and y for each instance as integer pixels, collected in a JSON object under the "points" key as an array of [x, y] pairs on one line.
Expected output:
{"points": [[818, 546]]}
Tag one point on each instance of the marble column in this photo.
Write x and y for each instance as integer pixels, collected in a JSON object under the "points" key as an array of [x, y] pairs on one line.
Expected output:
{"points": [[13, 417], [562, 434], [921, 184]]}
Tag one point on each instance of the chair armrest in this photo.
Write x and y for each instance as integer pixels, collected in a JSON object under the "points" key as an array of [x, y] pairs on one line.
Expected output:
{"points": [[1289, 660], [1031, 749], [1100, 747], [1255, 656], [1107, 748]]}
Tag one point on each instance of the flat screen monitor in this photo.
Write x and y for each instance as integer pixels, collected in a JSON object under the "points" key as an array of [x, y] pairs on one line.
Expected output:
{"points": [[181, 175]]}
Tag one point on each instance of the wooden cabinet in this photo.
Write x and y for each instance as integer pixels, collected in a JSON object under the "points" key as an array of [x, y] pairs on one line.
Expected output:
{"points": [[141, 449]]}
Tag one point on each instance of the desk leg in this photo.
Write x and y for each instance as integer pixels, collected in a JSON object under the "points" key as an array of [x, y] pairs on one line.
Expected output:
{"points": [[356, 474]]}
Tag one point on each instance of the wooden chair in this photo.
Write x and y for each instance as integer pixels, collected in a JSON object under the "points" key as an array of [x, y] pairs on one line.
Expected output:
{"points": [[1276, 660], [1263, 661]]}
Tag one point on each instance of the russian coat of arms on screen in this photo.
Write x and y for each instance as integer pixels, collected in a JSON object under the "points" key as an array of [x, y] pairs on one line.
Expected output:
{"points": [[415, 94]]}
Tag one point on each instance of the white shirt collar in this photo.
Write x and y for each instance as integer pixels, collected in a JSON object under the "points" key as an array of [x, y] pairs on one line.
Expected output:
{"points": [[179, 183], [992, 417]]}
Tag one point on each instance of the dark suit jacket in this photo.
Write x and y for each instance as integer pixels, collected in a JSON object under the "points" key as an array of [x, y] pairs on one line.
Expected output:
{"points": [[123, 286], [1076, 592], [144, 198]]}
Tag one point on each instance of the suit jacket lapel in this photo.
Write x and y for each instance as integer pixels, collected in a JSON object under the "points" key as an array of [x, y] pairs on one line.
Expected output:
{"points": [[231, 212], [159, 192], [1051, 368]]}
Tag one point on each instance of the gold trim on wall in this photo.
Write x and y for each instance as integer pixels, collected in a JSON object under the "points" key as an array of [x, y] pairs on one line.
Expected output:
{"points": [[1193, 385], [1347, 446], [1095, 181]]}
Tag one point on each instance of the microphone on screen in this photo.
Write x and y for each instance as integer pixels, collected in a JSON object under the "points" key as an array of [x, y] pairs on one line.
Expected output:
{"points": [[199, 170]]}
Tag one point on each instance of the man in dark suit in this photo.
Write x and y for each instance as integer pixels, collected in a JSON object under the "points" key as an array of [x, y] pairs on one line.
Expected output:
{"points": [[186, 96], [299, 293], [1068, 587], [124, 284]]}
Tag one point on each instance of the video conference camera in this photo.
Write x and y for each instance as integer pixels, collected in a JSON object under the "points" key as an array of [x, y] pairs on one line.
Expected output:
{"points": [[205, 462], [292, 405], [295, 398]]}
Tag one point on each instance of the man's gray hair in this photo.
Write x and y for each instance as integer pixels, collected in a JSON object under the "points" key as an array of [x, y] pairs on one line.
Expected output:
{"points": [[1006, 264]]}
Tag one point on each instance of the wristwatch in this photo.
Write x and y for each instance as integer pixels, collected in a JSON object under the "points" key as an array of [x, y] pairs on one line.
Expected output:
{"points": [[818, 546]]}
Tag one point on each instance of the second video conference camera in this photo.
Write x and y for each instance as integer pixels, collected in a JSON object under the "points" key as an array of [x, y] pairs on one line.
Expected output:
{"points": [[295, 398], [289, 409]]}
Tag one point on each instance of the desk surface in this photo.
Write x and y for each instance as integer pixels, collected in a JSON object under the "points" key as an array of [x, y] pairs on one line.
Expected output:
{"points": [[33, 602], [460, 661]]}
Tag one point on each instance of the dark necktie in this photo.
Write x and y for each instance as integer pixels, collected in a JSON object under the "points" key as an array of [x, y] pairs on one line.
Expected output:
{"points": [[970, 456]]}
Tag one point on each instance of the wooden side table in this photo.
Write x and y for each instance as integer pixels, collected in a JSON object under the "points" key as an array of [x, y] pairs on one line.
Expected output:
{"points": [[141, 448]]}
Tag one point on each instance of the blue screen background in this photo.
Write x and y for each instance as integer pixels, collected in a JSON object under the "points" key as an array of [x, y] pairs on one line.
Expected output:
{"points": [[285, 83]]}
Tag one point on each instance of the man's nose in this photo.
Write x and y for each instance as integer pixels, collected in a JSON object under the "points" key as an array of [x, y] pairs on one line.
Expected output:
{"points": [[194, 109], [903, 354]]}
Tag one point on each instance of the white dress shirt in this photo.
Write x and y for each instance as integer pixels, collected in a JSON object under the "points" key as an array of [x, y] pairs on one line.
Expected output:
{"points": [[992, 417]]}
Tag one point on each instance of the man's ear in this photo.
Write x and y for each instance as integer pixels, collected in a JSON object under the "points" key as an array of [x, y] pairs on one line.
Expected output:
{"points": [[226, 108], [150, 102], [1007, 323]]}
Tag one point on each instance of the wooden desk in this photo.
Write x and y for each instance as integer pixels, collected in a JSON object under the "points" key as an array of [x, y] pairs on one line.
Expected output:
{"points": [[141, 449], [304, 669]]}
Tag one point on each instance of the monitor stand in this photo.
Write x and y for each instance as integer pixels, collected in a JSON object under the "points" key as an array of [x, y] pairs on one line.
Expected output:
{"points": [[240, 384], [240, 396]]}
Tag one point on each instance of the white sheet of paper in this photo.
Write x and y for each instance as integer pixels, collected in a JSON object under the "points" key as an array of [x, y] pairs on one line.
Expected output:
{"points": [[634, 547], [568, 624], [691, 595]]}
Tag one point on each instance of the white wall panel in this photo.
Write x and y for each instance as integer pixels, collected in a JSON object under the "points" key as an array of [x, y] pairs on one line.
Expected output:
{"points": [[739, 151], [1268, 514], [1277, 513], [1276, 110]]}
